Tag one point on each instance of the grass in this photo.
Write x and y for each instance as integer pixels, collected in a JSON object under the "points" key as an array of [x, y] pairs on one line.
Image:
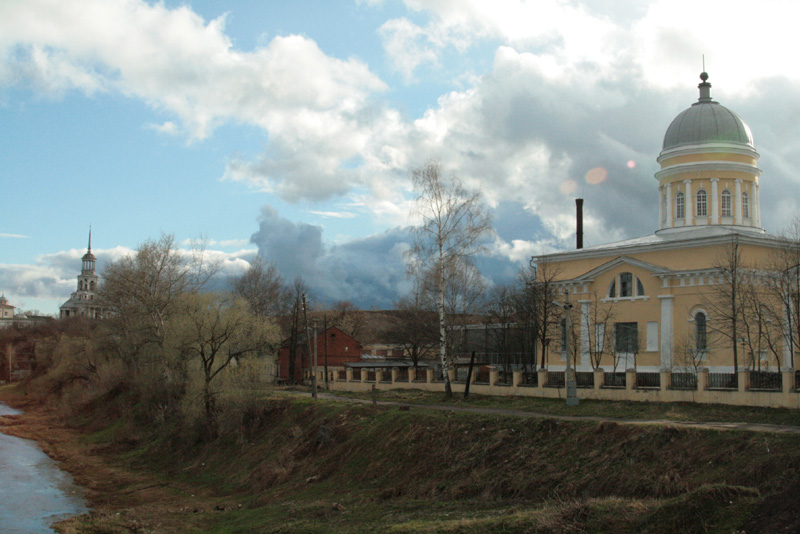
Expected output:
{"points": [[597, 408]]}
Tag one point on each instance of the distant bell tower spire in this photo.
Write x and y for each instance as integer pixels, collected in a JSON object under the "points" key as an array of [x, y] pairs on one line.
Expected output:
{"points": [[88, 260]]}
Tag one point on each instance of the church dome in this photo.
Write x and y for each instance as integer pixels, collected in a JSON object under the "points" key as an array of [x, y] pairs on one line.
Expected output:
{"points": [[706, 121]]}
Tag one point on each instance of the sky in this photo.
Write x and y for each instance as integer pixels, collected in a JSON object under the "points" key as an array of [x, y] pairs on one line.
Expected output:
{"points": [[289, 129]]}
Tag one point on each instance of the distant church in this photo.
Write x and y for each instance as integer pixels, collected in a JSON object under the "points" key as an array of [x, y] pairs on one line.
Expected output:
{"points": [[84, 302], [645, 302]]}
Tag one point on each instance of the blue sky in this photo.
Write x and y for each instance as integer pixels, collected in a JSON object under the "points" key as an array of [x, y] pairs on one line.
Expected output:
{"points": [[289, 128]]}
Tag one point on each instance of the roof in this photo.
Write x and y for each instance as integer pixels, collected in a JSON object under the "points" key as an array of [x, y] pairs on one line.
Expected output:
{"points": [[673, 238], [706, 121]]}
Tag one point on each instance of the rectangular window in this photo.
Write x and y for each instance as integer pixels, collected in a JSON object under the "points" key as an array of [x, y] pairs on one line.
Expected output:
{"points": [[626, 338], [652, 335]]}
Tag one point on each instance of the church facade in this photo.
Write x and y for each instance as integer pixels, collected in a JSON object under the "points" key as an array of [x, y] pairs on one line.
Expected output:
{"points": [[700, 291], [84, 302]]}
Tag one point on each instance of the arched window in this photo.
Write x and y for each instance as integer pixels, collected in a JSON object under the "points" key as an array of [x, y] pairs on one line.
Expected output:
{"points": [[679, 206], [726, 203], [700, 337], [745, 205], [91, 285], [625, 285], [702, 203], [626, 282]]}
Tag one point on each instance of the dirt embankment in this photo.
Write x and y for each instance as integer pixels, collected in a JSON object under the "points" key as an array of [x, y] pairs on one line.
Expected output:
{"points": [[363, 458]]}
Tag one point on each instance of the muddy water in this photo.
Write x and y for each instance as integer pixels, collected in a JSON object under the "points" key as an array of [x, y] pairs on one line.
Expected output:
{"points": [[34, 492]]}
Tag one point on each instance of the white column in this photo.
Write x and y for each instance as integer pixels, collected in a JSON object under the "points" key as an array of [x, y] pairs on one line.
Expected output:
{"points": [[738, 194], [714, 201], [584, 357], [666, 331], [668, 193], [688, 204], [755, 207], [661, 203]]}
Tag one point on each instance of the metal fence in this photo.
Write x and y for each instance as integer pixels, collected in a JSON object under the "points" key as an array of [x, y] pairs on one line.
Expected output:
{"points": [[402, 375], [613, 380], [386, 375], [356, 374], [683, 381], [529, 379], [342, 375], [504, 378], [421, 375], [648, 380], [584, 379], [723, 381], [555, 379], [797, 380], [766, 380], [370, 376]]}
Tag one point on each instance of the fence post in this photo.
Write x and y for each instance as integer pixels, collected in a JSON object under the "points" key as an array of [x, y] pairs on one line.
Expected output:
{"points": [[787, 381], [630, 379], [379, 376], [451, 373], [702, 379], [599, 378], [541, 378], [666, 379], [395, 374], [493, 375], [743, 380], [428, 375], [348, 374], [516, 378], [412, 374]]}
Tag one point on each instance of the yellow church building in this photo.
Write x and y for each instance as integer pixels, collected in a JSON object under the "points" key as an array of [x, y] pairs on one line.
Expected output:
{"points": [[669, 300]]}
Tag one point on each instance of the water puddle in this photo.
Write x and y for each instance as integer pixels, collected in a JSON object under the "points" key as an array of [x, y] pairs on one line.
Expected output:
{"points": [[34, 492]]}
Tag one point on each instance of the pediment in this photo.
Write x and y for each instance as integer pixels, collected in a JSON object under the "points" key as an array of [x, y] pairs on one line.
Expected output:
{"points": [[589, 276]]}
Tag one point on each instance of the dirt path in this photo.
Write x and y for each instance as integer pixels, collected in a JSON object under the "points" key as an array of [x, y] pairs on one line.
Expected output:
{"points": [[711, 425]]}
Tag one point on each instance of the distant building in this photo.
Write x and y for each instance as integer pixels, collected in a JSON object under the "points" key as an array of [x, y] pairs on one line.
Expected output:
{"points": [[6, 309], [338, 346], [662, 287], [84, 302]]}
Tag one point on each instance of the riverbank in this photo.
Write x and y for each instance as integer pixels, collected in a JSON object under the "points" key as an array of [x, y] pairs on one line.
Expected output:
{"points": [[122, 500], [294, 465]]}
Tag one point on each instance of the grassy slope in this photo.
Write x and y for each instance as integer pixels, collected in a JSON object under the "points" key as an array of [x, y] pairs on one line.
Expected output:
{"points": [[292, 465], [296, 466]]}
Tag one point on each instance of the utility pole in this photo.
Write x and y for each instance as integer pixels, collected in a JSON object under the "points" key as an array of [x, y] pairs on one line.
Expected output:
{"points": [[316, 361], [569, 374], [308, 348]]}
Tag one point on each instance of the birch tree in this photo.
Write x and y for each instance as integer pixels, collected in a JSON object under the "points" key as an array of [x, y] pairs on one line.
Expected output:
{"points": [[454, 224]]}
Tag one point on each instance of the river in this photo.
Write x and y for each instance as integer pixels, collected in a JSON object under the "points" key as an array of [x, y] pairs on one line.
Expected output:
{"points": [[34, 492]]}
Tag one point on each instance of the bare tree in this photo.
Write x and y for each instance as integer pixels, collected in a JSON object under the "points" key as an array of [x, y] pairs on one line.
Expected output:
{"points": [[263, 289], [215, 330], [296, 326], [541, 291], [454, 224], [415, 329], [783, 282], [600, 321], [725, 300], [345, 316]]}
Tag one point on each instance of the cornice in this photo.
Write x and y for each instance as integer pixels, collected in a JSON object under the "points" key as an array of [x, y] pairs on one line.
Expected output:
{"points": [[695, 167], [706, 148], [673, 244]]}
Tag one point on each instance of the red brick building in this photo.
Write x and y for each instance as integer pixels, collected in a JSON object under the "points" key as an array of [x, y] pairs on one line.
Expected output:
{"points": [[339, 347]]}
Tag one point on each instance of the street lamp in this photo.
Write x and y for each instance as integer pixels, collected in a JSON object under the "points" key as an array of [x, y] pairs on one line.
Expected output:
{"points": [[569, 374]]}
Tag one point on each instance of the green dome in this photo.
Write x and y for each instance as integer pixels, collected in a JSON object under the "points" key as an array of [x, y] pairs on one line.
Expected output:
{"points": [[706, 121]]}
